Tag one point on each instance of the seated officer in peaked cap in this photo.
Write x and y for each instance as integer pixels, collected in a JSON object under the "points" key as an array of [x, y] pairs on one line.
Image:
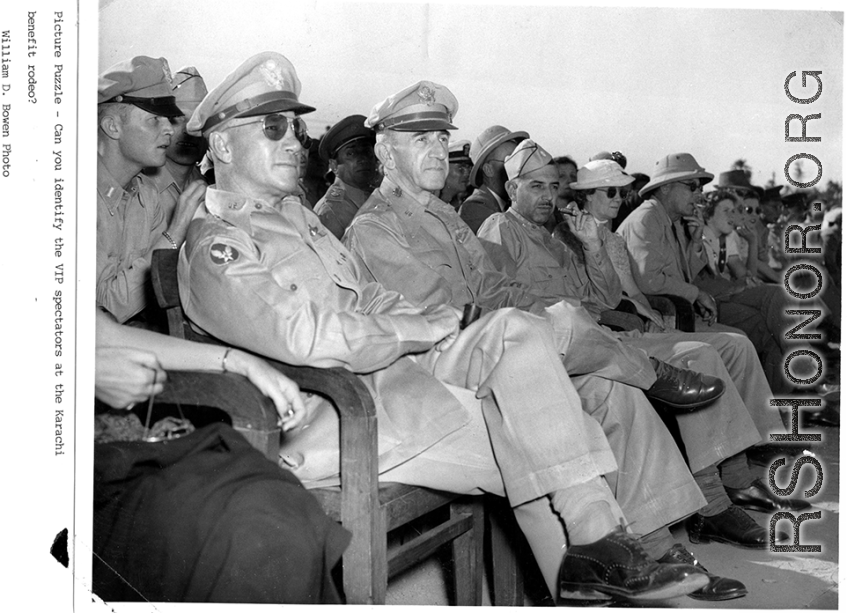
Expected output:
{"points": [[458, 173], [260, 271], [348, 148], [135, 112], [488, 152], [403, 227], [185, 151]]}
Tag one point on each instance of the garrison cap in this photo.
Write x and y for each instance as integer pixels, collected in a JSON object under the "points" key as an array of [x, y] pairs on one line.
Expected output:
{"points": [[144, 82], [526, 158], [266, 83], [346, 131], [459, 151], [421, 107], [189, 89]]}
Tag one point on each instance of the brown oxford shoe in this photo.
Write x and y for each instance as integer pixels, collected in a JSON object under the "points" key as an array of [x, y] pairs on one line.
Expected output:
{"points": [[617, 566], [683, 389], [732, 526], [758, 497], [719, 588]]}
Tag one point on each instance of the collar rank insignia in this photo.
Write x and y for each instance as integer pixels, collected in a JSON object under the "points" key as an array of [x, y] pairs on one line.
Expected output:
{"points": [[397, 192], [223, 254]]}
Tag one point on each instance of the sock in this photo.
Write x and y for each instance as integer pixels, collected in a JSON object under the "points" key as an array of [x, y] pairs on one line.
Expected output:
{"points": [[589, 511], [657, 543], [710, 484], [735, 472]]}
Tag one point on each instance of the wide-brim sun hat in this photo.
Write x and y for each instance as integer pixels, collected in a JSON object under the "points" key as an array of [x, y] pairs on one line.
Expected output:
{"points": [[601, 173], [485, 143], [676, 167]]}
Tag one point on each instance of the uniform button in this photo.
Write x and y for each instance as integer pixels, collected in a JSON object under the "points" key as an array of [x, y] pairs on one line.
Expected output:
{"points": [[293, 287], [258, 205]]}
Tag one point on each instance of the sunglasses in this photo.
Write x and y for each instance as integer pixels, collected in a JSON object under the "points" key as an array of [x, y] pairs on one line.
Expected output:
{"points": [[692, 186], [751, 209], [275, 127], [611, 192]]}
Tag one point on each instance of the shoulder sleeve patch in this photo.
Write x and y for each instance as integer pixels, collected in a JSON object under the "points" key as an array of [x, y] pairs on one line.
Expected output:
{"points": [[223, 254]]}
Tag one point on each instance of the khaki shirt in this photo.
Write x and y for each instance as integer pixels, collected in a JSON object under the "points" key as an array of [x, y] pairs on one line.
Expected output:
{"points": [[339, 205], [166, 186], [427, 253], [129, 224], [528, 253], [276, 282]]}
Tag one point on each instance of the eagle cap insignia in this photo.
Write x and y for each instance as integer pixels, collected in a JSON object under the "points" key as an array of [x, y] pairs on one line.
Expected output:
{"points": [[427, 95], [223, 254], [272, 74]]}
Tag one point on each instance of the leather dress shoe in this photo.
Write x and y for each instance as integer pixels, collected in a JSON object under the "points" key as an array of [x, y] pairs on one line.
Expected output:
{"points": [[732, 526], [719, 588], [617, 566], [758, 497], [683, 389]]}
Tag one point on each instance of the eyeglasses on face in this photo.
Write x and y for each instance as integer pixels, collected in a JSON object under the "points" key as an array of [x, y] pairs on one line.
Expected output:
{"points": [[275, 127], [611, 192], [691, 186], [751, 209]]}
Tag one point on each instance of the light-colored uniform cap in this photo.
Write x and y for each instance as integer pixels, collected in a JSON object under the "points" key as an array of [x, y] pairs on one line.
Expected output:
{"points": [[189, 89], [601, 173], [264, 84], [459, 151], [422, 107], [526, 158], [485, 143], [676, 167], [144, 82]]}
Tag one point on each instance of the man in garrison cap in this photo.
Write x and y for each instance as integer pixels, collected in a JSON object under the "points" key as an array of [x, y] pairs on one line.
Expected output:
{"points": [[414, 243], [136, 111], [488, 152], [260, 271], [348, 148], [458, 173], [716, 436], [185, 151]]}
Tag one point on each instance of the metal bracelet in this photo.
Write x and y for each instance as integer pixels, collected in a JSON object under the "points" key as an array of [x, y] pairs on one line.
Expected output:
{"points": [[170, 240]]}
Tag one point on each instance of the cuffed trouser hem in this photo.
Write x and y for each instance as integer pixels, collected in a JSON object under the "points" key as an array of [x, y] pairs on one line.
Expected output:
{"points": [[540, 483]]}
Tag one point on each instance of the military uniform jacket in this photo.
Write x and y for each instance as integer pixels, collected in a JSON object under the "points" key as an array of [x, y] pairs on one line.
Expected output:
{"points": [[129, 223], [527, 252], [276, 282], [479, 206], [166, 186], [657, 258], [339, 205], [430, 255]]}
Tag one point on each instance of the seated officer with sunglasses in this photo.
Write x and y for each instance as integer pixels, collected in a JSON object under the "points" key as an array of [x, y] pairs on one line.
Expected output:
{"points": [[490, 409], [665, 242]]}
